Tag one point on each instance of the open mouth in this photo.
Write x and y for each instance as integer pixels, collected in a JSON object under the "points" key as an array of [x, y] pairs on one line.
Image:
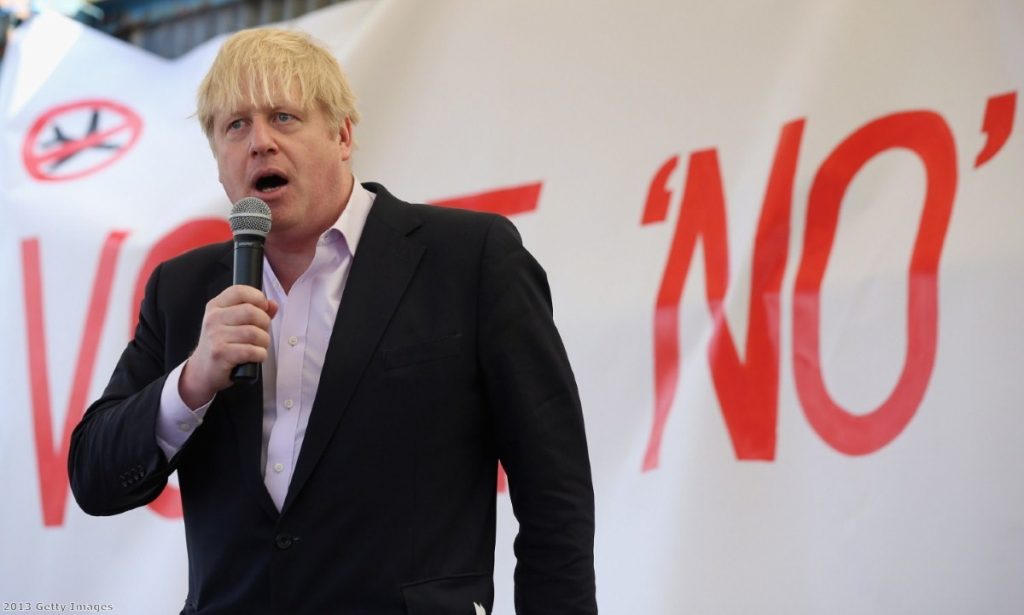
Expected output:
{"points": [[269, 183]]}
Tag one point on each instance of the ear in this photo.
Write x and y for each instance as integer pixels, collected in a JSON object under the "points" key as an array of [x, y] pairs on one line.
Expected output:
{"points": [[345, 138]]}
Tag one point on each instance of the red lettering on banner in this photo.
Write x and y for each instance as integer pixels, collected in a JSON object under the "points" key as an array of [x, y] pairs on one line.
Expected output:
{"points": [[53, 463], [997, 125], [659, 197], [504, 201], [747, 389], [927, 135], [191, 234]]}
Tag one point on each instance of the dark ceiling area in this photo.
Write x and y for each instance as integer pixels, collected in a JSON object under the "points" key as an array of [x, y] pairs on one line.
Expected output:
{"points": [[168, 28]]}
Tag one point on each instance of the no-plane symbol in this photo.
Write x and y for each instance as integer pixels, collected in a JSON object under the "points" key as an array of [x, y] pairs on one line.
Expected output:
{"points": [[79, 138]]}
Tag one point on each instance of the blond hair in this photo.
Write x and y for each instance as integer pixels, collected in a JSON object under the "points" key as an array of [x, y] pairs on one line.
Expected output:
{"points": [[264, 62]]}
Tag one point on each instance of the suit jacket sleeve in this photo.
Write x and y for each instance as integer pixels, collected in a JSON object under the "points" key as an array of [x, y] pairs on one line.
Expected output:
{"points": [[114, 462], [538, 429]]}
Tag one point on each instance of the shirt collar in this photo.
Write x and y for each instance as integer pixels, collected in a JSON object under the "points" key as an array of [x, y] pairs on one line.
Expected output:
{"points": [[349, 225]]}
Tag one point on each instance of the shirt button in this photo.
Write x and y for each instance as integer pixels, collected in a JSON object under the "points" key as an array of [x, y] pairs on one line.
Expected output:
{"points": [[288, 404], [278, 467], [293, 340], [185, 426]]}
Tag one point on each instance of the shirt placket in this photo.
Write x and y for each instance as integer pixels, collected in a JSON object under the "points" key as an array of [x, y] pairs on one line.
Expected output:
{"points": [[291, 350]]}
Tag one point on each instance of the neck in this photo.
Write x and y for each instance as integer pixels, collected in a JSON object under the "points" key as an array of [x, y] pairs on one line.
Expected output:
{"points": [[290, 261]]}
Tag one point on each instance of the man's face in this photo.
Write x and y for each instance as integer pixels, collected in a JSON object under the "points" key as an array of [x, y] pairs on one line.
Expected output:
{"points": [[290, 158]]}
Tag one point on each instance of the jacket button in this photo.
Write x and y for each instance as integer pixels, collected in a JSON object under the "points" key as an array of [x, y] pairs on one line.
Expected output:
{"points": [[283, 541]]}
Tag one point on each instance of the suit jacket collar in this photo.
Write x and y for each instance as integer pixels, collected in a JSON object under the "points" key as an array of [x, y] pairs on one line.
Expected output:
{"points": [[381, 271]]}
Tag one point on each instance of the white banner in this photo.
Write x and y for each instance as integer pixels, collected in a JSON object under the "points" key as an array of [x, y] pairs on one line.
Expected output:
{"points": [[784, 241]]}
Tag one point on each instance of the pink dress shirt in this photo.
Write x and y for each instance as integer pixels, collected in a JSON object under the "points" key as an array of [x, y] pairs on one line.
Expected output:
{"points": [[299, 335]]}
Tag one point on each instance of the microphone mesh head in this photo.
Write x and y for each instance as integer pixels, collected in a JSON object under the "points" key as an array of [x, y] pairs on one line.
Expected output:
{"points": [[250, 216]]}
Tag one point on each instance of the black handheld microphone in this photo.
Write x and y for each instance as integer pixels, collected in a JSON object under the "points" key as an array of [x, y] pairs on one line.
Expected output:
{"points": [[250, 223]]}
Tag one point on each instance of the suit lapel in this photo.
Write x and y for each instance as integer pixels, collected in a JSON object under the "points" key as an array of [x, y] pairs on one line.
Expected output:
{"points": [[244, 406], [381, 271]]}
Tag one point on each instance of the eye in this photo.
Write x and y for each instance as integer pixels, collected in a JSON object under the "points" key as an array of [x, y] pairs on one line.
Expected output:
{"points": [[283, 117], [234, 125]]}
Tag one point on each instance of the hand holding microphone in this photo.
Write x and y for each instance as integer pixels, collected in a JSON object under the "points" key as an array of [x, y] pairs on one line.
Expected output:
{"points": [[235, 334]]}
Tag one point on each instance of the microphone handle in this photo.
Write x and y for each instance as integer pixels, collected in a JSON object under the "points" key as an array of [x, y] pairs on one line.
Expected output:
{"points": [[248, 270]]}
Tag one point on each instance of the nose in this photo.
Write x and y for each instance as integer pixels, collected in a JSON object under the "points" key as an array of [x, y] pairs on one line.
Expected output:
{"points": [[261, 138]]}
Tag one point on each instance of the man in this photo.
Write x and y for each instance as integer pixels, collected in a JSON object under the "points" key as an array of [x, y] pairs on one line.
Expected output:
{"points": [[405, 349]]}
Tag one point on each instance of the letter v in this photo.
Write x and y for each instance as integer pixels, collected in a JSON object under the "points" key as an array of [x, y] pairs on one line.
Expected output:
{"points": [[53, 463]]}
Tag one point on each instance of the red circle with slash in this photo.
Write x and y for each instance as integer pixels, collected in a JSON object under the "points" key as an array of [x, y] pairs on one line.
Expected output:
{"points": [[129, 124]]}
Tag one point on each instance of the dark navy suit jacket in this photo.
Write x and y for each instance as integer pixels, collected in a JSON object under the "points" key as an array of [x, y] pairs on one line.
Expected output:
{"points": [[444, 359]]}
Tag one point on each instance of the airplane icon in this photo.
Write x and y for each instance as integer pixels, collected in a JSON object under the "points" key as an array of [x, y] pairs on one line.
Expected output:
{"points": [[61, 139], [50, 143]]}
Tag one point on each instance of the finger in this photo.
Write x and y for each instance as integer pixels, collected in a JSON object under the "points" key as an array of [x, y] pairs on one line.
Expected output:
{"points": [[241, 345], [248, 353], [250, 335], [272, 308], [230, 355], [239, 315], [240, 293]]}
